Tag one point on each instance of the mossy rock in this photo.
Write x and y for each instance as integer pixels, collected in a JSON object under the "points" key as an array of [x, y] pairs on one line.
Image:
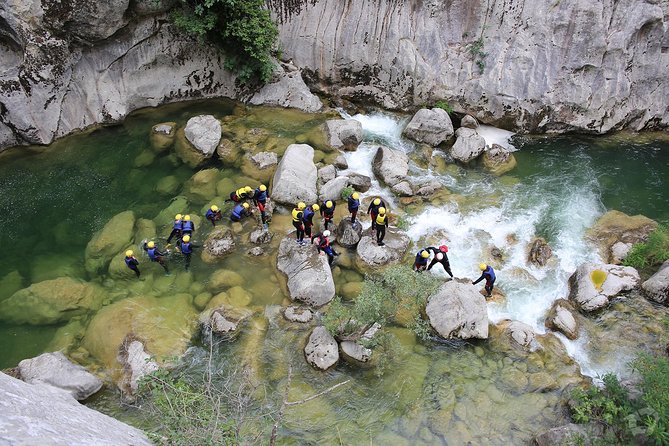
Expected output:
{"points": [[119, 270], [201, 300], [616, 226], [10, 284], [223, 279], [350, 290], [162, 136], [52, 266], [229, 152], [178, 205], [117, 233], [202, 186], [225, 186], [218, 300], [67, 336], [250, 169], [239, 297], [168, 185], [145, 230], [186, 151], [144, 159]]}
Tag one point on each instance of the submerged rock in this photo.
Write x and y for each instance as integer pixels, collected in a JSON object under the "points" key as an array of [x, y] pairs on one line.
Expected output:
{"points": [[391, 166], [370, 254], [348, 234], [229, 152], [197, 142], [116, 234], [202, 185], [458, 310], [321, 350], [343, 134], [294, 313], [287, 90], [656, 287], [616, 226], [219, 244], [56, 370], [468, 145], [162, 135], [223, 321], [260, 236], [540, 252], [520, 334], [570, 435], [295, 177], [429, 126], [587, 297], [499, 160], [561, 318]]}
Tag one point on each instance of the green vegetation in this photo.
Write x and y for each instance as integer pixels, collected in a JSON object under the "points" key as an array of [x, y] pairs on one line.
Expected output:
{"points": [[652, 252], [242, 28], [442, 104], [403, 222], [478, 55], [346, 192], [626, 420]]}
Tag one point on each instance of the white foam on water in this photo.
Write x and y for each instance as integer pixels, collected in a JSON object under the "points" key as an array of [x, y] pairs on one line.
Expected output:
{"points": [[493, 135]]}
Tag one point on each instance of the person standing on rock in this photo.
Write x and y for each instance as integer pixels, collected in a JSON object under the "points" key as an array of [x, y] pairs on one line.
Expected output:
{"points": [[187, 226], [324, 245], [420, 264], [187, 249], [440, 257], [327, 212], [298, 222], [155, 254], [489, 275], [373, 210], [241, 194], [353, 205], [381, 223], [131, 262], [240, 211], [308, 218], [260, 201], [176, 228], [213, 215]]}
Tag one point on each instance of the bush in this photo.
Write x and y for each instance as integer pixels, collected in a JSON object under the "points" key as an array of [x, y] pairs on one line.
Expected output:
{"points": [[652, 252], [242, 28], [444, 106], [346, 192]]}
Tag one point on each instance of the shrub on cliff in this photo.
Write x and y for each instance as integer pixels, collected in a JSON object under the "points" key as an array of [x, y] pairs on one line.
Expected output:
{"points": [[242, 28], [652, 252]]}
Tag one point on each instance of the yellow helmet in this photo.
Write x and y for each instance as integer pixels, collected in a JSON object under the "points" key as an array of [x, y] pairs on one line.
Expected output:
{"points": [[129, 253], [301, 205], [328, 204], [248, 189], [482, 266], [382, 210], [186, 238], [315, 207], [187, 217], [245, 205], [262, 188], [151, 244], [377, 201], [214, 207], [178, 217], [355, 195], [424, 254]]}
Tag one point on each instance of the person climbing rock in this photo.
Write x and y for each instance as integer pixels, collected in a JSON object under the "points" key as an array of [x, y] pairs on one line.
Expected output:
{"points": [[327, 212], [308, 218], [381, 223], [176, 228], [488, 273], [155, 254], [241, 194], [298, 222], [186, 248], [260, 201], [420, 264], [353, 205], [440, 257], [242, 210], [373, 210], [131, 262], [187, 226], [213, 215], [323, 245]]}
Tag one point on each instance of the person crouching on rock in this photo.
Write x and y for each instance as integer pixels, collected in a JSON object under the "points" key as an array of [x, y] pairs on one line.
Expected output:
{"points": [[187, 249], [353, 205], [323, 245], [298, 222], [240, 211], [308, 218], [176, 228], [131, 262], [155, 254], [260, 201], [489, 275], [327, 212], [440, 257], [420, 264], [213, 215], [241, 194], [381, 223], [373, 210]]}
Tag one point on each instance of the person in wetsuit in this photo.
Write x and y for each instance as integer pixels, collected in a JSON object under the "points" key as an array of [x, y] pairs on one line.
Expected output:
{"points": [[187, 226], [373, 210], [308, 218], [131, 262], [155, 254], [440, 257], [353, 205], [323, 245], [240, 211], [381, 223], [186, 248], [241, 194], [298, 222], [260, 201], [213, 214], [176, 228], [488, 273], [327, 212], [420, 263]]}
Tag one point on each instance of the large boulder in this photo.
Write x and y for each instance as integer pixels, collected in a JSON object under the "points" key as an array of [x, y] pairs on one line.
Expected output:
{"points": [[219, 244], [359, 182], [202, 185], [616, 226], [391, 166], [370, 254], [499, 160], [469, 122], [348, 234], [468, 145], [52, 301], [540, 252], [332, 189], [288, 90], [657, 286], [295, 176], [429, 126], [56, 370], [309, 275], [197, 142], [321, 350], [458, 310], [561, 318], [326, 173], [42, 414], [162, 135], [584, 294], [109, 241], [343, 134]]}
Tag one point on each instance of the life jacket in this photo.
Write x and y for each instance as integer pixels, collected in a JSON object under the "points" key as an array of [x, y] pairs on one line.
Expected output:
{"points": [[152, 253], [260, 196], [130, 261], [238, 211], [420, 260], [178, 224], [353, 204], [186, 248], [209, 213], [375, 208], [489, 273], [187, 226], [308, 215], [323, 242], [298, 215], [381, 219], [241, 193]]}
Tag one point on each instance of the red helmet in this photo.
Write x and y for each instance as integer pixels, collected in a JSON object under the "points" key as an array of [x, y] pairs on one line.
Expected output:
{"points": [[443, 248]]}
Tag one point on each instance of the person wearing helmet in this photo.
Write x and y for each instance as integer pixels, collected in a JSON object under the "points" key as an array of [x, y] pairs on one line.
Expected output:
{"points": [[488, 274], [353, 205], [420, 264], [373, 210], [380, 222], [241, 194], [298, 222], [440, 257], [323, 245], [327, 212], [308, 218], [155, 254], [187, 226], [131, 262], [187, 247], [240, 211], [176, 228], [260, 201], [213, 214]]}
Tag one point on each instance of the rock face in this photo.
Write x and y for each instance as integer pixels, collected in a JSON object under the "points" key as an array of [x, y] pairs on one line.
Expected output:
{"points": [[584, 294], [468, 145], [370, 254], [309, 275], [219, 244], [295, 176], [391, 166], [612, 66], [56, 370], [561, 318], [540, 252], [429, 126], [657, 287], [343, 134], [498, 160], [36, 413], [321, 349], [288, 90], [458, 310], [348, 234], [326, 174], [614, 227]]}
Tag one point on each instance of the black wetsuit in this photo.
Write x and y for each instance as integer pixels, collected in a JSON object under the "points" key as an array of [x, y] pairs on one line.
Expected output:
{"points": [[444, 262]]}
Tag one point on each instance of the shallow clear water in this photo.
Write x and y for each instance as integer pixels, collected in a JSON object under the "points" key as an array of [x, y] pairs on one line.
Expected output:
{"points": [[54, 199]]}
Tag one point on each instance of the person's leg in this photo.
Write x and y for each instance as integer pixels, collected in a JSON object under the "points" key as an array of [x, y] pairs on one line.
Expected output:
{"points": [[187, 261], [447, 267], [136, 270], [354, 213]]}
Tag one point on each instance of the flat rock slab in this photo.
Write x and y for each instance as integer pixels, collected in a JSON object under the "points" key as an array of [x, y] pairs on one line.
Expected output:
{"points": [[294, 313], [56, 370], [370, 254], [458, 310], [295, 176], [219, 244], [309, 275], [584, 294], [321, 350]]}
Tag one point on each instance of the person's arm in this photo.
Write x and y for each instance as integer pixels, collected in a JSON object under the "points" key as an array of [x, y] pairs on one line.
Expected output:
{"points": [[479, 279], [145, 247], [369, 209], [433, 249]]}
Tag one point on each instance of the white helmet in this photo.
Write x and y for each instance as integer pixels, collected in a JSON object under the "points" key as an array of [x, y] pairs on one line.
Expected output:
{"points": [[326, 233], [440, 256]]}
